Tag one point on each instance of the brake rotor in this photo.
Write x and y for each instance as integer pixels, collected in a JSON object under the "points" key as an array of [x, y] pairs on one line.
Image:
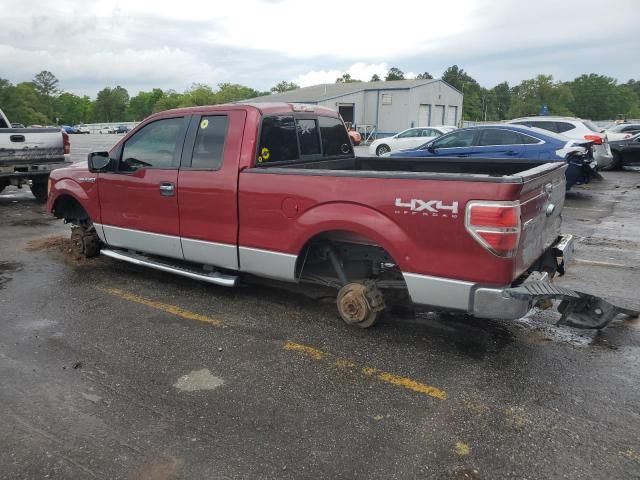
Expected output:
{"points": [[360, 304]]}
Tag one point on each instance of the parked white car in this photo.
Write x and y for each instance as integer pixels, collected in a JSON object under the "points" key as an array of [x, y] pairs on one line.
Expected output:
{"points": [[107, 130], [83, 129], [575, 129], [407, 139], [622, 131]]}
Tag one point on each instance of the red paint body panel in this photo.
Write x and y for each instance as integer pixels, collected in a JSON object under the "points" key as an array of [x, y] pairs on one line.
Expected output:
{"points": [[66, 182], [133, 201], [208, 199], [437, 246]]}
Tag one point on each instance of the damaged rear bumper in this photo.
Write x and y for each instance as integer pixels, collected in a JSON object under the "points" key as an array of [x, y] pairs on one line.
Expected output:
{"points": [[578, 309]]}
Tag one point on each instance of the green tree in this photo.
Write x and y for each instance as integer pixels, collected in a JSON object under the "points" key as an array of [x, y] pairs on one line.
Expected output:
{"points": [[502, 97], [375, 78], [232, 92], [476, 99], [141, 106], [47, 86], [22, 103], [200, 94], [424, 76], [599, 97], [394, 74], [346, 78], [111, 104], [284, 86], [70, 109], [528, 97], [170, 99]]}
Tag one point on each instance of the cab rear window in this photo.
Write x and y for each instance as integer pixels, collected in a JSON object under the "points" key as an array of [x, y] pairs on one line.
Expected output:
{"points": [[288, 138]]}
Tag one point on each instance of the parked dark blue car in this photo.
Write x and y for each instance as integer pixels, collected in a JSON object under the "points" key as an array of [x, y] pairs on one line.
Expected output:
{"points": [[69, 129], [512, 142]]}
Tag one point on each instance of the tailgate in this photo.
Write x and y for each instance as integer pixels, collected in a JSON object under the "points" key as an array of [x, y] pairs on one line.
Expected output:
{"points": [[25, 146], [541, 203]]}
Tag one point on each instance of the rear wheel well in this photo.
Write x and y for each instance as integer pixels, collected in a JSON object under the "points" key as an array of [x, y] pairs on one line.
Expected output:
{"points": [[71, 210], [336, 258]]}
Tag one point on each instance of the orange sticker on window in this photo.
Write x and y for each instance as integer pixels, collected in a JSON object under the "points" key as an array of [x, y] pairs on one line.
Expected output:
{"points": [[265, 153]]}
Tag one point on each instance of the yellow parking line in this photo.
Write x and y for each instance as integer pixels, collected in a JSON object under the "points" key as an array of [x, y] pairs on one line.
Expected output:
{"points": [[174, 310], [404, 382], [307, 350]]}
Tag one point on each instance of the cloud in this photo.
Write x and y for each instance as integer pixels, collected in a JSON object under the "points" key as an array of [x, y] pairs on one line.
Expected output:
{"points": [[358, 71], [145, 43]]}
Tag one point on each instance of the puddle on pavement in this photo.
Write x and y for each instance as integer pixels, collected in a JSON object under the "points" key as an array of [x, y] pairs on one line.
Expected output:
{"points": [[471, 337], [31, 222], [8, 267]]}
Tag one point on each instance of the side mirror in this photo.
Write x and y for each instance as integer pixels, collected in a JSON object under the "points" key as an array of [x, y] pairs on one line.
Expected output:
{"points": [[431, 148], [99, 162]]}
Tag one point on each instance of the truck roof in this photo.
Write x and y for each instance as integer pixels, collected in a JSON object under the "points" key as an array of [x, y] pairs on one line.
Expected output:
{"points": [[265, 108]]}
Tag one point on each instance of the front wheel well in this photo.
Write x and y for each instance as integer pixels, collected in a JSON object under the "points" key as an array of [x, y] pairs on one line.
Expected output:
{"points": [[68, 208]]}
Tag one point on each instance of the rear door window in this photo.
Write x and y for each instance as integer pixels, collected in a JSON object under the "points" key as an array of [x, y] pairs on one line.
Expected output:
{"points": [[545, 125], [309, 136], [562, 127], [335, 141], [208, 149], [499, 137], [278, 140]]}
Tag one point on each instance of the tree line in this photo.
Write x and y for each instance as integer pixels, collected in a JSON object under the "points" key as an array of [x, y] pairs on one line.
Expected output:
{"points": [[597, 97]]}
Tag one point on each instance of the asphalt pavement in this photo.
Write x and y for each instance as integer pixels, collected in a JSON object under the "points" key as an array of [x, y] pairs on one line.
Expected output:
{"points": [[108, 370]]}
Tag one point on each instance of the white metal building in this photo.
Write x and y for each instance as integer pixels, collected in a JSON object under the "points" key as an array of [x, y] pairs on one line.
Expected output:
{"points": [[387, 107]]}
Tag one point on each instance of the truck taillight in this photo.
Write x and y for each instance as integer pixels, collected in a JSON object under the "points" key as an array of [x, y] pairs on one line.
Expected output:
{"points": [[66, 143], [596, 139], [494, 225]]}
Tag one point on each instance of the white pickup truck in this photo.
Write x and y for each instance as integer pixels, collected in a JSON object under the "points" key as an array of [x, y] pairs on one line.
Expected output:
{"points": [[27, 156]]}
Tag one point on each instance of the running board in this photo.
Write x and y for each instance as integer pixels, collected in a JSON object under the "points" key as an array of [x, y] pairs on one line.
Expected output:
{"points": [[137, 259]]}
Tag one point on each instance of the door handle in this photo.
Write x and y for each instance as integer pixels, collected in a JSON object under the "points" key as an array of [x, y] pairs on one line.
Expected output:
{"points": [[511, 152], [17, 138], [167, 189]]}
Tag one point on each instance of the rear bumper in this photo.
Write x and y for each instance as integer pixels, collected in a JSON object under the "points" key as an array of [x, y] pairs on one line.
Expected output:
{"points": [[480, 300], [603, 156], [31, 170]]}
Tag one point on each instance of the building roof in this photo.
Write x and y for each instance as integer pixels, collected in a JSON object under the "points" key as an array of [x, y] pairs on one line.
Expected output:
{"points": [[327, 91]]}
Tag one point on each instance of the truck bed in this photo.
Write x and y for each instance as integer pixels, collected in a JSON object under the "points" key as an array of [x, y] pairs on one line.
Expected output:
{"points": [[446, 168], [26, 146]]}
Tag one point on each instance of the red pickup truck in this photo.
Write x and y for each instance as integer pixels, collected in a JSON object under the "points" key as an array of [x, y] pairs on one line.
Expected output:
{"points": [[275, 190]]}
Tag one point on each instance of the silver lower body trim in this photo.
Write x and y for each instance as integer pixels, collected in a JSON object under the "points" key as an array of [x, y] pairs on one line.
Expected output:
{"points": [[213, 277], [100, 232], [469, 297], [267, 263], [152, 243], [439, 292], [210, 253]]}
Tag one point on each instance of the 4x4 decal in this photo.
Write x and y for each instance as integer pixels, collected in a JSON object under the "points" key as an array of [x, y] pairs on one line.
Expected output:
{"points": [[431, 208]]}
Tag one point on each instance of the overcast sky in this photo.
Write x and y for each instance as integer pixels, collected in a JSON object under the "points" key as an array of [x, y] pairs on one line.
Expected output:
{"points": [[141, 44]]}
